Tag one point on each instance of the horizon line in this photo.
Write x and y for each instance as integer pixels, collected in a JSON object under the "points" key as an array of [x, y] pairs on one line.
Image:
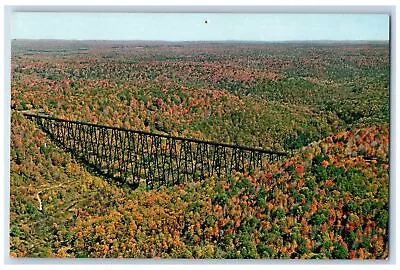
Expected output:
{"points": [[217, 40]]}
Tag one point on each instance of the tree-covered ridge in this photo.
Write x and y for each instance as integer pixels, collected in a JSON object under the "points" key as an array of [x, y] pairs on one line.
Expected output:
{"points": [[326, 104], [328, 201]]}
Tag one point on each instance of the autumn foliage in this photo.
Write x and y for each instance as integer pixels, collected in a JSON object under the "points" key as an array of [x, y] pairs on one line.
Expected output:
{"points": [[328, 199]]}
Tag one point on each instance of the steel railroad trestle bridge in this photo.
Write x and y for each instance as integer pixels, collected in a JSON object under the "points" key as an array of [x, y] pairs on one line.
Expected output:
{"points": [[132, 156]]}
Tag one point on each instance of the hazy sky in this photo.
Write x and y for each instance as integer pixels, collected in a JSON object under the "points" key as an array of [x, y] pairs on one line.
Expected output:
{"points": [[192, 26]]}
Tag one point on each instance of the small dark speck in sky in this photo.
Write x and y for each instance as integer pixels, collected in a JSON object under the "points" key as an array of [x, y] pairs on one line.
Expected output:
{"points": [[205, 21]]}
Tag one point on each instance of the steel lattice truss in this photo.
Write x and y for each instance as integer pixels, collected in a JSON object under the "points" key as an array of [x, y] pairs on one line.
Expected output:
{"points": [[160, 160]]}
